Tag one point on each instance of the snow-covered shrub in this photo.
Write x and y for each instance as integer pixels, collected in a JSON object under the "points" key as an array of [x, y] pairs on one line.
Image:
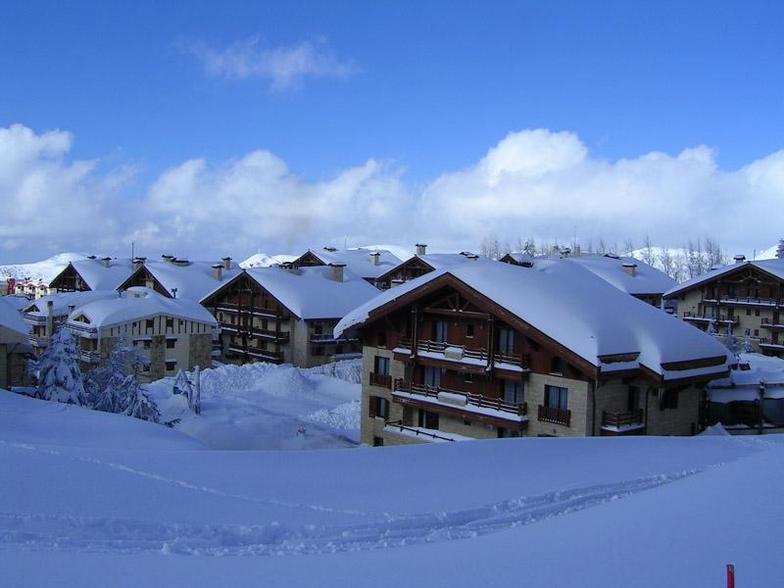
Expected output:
{"points": [[59, 376]]}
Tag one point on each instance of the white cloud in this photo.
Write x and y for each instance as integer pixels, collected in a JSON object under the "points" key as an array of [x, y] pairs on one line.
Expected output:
{"points": [[532, 183], [282, 67]]}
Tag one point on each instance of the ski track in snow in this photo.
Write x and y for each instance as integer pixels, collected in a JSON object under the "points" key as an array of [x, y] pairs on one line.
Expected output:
{"points": [[377, 531]]}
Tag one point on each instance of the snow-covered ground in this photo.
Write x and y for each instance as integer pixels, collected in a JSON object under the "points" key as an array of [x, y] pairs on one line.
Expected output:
{"points": [[266, 406], [95, 499], [45, 270]]}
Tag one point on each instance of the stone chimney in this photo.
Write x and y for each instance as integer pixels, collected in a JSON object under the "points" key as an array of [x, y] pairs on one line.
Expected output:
{"points": [[226, 263], [739, 258], [375, 257], [336, 272], [106, 261], [421, 248], [217, 271], [49, 317], [629, 267]]}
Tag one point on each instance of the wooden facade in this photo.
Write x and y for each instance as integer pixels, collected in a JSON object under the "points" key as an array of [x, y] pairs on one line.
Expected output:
{"points": [[143, 277], [69, 280], [408, 270]]}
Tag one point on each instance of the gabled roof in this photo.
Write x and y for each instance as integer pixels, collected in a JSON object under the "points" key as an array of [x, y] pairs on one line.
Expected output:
{"points": [[11, 319], [575, 308], [645, 278], [357, 261], [310, 292], [137, 304], [99, 276], [62, 301], [192, 281], [436, 261], [774, 267]]}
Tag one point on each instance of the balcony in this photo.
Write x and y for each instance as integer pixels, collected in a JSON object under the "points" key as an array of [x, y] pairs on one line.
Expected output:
{"points": [[329, 338], [460, 399], [38, 340], [89, 356], [766, 323], [748, 301], [416, 432], [721, 319], [381, 380], [557, 416], [258, 354], [632, 419]]}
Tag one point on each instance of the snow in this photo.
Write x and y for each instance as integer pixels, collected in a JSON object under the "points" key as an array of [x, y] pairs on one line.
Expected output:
{"points": [[263, 260], [771, 266], [62, 301], [44, 271], [744, 384], [267, 406], [402, 253], [101, 277], [573, 306], [11, 319], [135, 304], [646, 279], [450, 402], [91, 499], [192, 281], [358, 261], [311, 293]]}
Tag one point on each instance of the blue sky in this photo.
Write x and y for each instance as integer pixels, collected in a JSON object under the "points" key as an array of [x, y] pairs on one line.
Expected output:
{"points": [[427, 88]]}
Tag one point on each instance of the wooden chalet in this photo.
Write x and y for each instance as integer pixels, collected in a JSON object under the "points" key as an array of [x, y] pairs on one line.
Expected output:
{"points": [[92, 274]]}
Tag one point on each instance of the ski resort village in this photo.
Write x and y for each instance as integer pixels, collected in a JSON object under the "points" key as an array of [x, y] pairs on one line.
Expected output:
{"points": [[391, 294]]}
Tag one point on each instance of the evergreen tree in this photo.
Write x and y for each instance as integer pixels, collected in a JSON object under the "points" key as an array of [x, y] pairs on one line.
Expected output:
{"points": [[137, 403], [59, 376], [780, 249], [748, 347], [731, 342]]}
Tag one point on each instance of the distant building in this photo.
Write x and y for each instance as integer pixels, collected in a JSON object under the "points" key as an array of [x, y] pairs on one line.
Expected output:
{"points": [[744, 299], [92, 274], [286, 315], [174, 334], [481, 350], [365, 263], [14, 346], [421, 264], [176, 277]]}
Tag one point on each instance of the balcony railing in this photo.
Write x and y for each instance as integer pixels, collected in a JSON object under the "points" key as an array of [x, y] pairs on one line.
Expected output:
{"points": [[416, 431], [383, 380], [329, 338], [622, 419], [256, 353], [38, 340], [477, 400], [768, 324], [558, 416], [89, 356], [723, 318], [457, 352], [748, 300]]}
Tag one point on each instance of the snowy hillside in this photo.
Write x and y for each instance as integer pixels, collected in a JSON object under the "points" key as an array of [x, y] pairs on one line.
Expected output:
{"points": [[44, 270], [264, 260], [266, 406], [91, 499]]}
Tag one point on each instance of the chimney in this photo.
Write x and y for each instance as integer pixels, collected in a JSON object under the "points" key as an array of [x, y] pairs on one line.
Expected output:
{"points": [[226, 262], [106, 261], [577, 251], [217, 271], [138, 262], [174, 292], [71, 308], [421, 248], [330, 248], [739, 258], [336, 272], [166, 257], [375, 257], [629, 267], [49, 317]]}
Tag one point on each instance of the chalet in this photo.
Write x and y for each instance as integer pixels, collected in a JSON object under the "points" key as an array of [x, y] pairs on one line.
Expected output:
{"points": [[45, 315], [743, 300], [628, 274], [484, 350], [14, 347], [286, 315], [174, 334], [175, 277], [421, 264], [368, 264], [92, 274]]}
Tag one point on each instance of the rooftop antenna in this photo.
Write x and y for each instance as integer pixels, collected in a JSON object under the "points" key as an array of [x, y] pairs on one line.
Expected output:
{"points": [[133, 249]]}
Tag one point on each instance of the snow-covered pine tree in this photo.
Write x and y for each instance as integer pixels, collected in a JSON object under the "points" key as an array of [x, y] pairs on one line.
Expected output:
{"points": [[731, 342], [59, 376], [748, 347], [711, 330], [138, 404]]}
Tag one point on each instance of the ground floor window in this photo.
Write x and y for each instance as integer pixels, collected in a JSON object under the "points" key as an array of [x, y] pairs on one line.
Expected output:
{"points": [[556, 397], [379, 407], [428, 419], [378, 441], [504, 433]]}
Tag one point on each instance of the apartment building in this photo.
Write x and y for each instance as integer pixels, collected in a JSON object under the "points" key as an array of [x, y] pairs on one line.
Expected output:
{"points": [[14, 346], [287, 315], [106, 273], [483, 350], [368, 264], [743, 299], [422, 263], [174, 334]]}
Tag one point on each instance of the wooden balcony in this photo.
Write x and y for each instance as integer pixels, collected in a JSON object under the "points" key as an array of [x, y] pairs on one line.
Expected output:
{"points": [[476, 400], [254, 353], [621, 420], [557, 416], [425, 435], [381, 380]]}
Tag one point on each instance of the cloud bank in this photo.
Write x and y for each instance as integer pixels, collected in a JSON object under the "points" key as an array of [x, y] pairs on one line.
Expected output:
{"points": [[536, 183]]}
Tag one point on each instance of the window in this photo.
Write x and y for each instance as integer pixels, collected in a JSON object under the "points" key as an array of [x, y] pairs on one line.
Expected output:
{"points": [[379, 407], [512, 391], [318, 329], [748, 331], [318, 351], [428, 419], [469, 330], [440, 331], [381, 365], [756, 312], [378, 441], [556, 397], [505, 340], [170, 323], [469, 378], [556, 365], [170, 343], [748, 312], [756, 332], [171, 365], [504, 433], [264, 324], [633, 399], [432, 376], [147, 344], [670, 399], [149, 323]]}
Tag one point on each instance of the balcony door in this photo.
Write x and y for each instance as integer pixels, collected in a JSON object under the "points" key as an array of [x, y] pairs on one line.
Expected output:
{"points": [[513, 392], [439, 331], [505, 340], [432, 377]]}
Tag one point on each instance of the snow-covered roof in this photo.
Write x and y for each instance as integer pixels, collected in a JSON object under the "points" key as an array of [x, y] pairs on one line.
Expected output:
{"points": [[771, 266], [264, 260], [358, 261], [573, 306], [639, 279], [136, 304], [18, 301], [311, 293], [62, 301], [751, 369], [192, 281], [100, 276], [11, 319]]}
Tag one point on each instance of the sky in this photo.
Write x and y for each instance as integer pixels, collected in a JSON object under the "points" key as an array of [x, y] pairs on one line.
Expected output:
{"points": [[205, 129]]}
